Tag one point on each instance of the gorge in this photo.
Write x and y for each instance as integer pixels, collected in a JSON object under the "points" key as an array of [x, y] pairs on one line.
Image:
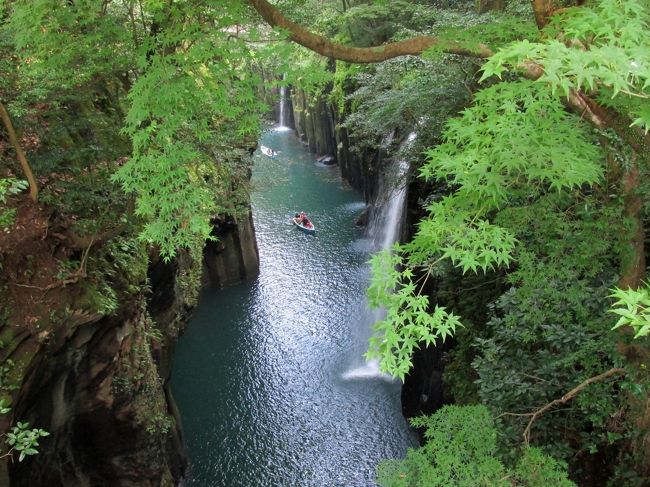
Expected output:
{"points": [[477, 173]]}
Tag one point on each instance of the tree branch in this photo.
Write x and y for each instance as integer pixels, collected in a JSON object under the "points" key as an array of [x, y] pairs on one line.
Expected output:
{"points": [[565, 398], [596, 114], [363, 55]]}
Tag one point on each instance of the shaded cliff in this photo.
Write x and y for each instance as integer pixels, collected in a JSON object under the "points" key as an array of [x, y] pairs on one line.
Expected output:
{"points": [[318, 123], [82, 358], [233, 257], [102, 399], [88, 357]]}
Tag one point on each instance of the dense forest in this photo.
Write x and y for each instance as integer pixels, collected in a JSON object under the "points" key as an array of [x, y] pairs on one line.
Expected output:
{"points": [[125, 147]]}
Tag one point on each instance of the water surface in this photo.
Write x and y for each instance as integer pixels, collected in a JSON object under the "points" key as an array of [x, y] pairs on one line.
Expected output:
{"points": [[269, 377]]}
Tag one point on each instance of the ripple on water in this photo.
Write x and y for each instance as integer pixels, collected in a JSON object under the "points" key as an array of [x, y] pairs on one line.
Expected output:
{"points": [[269, 375]]}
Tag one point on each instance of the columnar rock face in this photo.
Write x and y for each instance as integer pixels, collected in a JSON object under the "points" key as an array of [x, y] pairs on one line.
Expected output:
{"points": [[318, 124], [315, 123], [234, 256], [96, 381], [100, 396]]}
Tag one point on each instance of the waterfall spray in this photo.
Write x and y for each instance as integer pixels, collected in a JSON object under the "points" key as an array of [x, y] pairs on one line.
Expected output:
{"points": [[385, 228]]}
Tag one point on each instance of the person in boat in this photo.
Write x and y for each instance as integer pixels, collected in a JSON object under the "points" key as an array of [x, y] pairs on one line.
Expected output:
{"points": [[301, 219], [304, 221]]}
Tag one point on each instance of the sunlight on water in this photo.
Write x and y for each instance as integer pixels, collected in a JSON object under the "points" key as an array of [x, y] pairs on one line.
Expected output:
{"points": [[260, 374]]}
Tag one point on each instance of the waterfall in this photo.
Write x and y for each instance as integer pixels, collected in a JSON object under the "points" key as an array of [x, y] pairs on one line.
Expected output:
{"points": [[385, 228], [386, 223], [282, 122], [283, 100]]}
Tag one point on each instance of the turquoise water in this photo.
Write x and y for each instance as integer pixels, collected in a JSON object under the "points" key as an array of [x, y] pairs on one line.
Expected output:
{"points": [[269, 376]]}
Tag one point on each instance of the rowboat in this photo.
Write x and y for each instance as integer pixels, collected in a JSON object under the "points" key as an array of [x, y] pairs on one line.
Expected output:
{"points": [[267, 151], [308, 229]]}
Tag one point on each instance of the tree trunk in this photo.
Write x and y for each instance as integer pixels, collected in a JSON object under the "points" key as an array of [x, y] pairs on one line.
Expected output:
{"points": [[6, 120], [633, 265], [542, 9]]}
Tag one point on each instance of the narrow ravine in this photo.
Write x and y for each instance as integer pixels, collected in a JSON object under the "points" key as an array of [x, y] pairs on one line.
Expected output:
{"points": [[262, 376]]}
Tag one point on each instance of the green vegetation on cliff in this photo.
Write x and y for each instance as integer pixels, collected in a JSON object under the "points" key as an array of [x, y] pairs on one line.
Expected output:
{"points": [[135, 117]]}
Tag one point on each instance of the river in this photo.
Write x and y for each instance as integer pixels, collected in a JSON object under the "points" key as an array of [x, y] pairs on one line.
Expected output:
{"points": [[269, 376]]}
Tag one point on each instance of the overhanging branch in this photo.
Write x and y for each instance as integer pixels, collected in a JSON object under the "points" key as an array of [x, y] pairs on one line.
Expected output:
{"points": [[362, 55], [599, 116]]}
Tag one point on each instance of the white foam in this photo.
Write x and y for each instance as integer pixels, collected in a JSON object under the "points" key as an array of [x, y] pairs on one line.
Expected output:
{"points": [[369, 370]]}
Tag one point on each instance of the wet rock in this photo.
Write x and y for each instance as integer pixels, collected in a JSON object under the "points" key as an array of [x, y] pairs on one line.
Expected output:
{"points": [[328, 160], [364, 217]]}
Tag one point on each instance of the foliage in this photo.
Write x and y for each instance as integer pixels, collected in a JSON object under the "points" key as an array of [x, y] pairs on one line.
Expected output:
{"points": [[459, 451], [87, 200], [191, 95], [64, 45], [190, 272], [372, 24], [603, 46], [301, 67], [117, 270], [499, 145], [20, 438], [495, 154], [536, 348], [494, 29], [7, 382], [194, 93], [9, 187], [408, 321], [404, 95], [24, 440], [548, 332], [633, 307], [343, 82], [536, 469]]}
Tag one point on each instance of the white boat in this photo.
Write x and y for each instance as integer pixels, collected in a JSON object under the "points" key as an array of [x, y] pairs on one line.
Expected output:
{"points": [[307, 227], [267, 151]]}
